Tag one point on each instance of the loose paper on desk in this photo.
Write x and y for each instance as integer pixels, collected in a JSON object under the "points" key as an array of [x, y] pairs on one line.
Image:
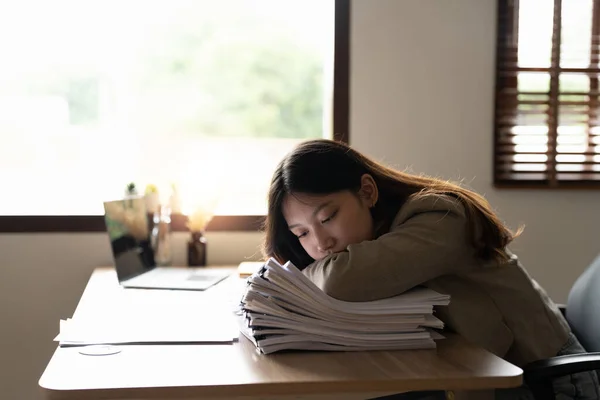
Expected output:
{"points": [[194, 323]]}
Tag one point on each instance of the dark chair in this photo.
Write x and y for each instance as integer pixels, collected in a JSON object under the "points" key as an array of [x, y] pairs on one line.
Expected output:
{"points": [[583, 314]]}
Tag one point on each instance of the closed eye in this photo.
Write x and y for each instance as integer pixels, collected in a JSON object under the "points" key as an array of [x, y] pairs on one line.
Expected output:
{"points": [[303, 234], [330, 217]]}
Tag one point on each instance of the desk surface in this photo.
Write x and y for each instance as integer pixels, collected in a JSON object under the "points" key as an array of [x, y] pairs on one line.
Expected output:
{"points": [[229, 370]]}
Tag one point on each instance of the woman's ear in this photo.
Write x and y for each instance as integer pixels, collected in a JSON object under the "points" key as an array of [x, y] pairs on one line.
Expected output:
{"points": [[368, 190]]}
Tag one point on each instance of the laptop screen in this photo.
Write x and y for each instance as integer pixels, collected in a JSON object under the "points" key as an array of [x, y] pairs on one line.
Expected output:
{"points": [[128, 230]]}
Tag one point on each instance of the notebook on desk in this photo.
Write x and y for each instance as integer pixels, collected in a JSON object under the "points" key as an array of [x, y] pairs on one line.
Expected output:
{"points": [[127, 227]]}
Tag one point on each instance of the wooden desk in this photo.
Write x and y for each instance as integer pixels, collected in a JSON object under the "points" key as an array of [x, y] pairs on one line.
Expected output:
{"points": [[220, 371]]}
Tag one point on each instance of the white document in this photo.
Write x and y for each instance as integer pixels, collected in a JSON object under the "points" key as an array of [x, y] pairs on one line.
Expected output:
{"points": [[156, 316], [224, 329]]}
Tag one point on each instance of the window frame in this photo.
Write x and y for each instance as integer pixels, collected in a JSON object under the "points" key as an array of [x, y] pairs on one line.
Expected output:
{"points": [[508, 31], [341, 111]]}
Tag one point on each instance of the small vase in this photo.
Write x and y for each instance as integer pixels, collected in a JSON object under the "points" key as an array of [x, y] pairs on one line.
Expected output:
{"points": [[161, 237], [197, 250]]}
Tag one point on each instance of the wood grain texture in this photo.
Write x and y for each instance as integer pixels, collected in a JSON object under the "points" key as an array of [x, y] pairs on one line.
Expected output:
{"points": [[237, 370]]}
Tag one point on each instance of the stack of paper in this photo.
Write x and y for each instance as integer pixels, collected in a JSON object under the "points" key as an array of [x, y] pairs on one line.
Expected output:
{"points": [[284, 310]]}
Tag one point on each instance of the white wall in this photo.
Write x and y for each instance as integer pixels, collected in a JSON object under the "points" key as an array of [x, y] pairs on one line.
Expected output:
{"points": [[422, 96]]}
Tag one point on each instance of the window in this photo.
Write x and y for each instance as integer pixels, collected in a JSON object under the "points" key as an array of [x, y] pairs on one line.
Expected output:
{"points": [[205, 95], [547, 126]]}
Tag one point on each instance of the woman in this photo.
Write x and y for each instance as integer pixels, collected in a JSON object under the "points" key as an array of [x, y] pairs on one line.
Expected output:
{"points": [[362, 231]]}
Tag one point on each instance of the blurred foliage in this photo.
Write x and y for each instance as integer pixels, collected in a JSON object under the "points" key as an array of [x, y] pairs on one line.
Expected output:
{"points": [[220, 74]]}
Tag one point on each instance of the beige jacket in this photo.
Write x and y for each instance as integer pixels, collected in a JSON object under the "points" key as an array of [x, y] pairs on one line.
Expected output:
{"points": [[495, 305]]}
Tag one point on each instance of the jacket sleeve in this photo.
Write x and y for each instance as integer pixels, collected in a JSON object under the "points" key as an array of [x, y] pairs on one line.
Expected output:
{"points": [[428, 239]]}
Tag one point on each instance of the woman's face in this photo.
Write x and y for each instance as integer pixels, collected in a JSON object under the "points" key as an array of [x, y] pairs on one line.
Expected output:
{"points": [[326, 224]]}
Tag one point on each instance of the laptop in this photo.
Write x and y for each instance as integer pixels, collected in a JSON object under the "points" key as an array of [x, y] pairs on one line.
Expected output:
{"points": [[127, 225]]}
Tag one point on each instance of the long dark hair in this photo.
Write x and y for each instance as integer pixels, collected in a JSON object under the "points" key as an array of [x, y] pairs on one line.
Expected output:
{"points": [[323, 166]]}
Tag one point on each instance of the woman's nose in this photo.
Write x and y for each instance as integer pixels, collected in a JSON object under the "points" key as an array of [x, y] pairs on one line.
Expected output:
{"points": [[325, 243]]}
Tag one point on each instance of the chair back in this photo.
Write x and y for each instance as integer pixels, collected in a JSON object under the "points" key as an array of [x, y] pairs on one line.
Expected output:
{"points": [[583, 307]]}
